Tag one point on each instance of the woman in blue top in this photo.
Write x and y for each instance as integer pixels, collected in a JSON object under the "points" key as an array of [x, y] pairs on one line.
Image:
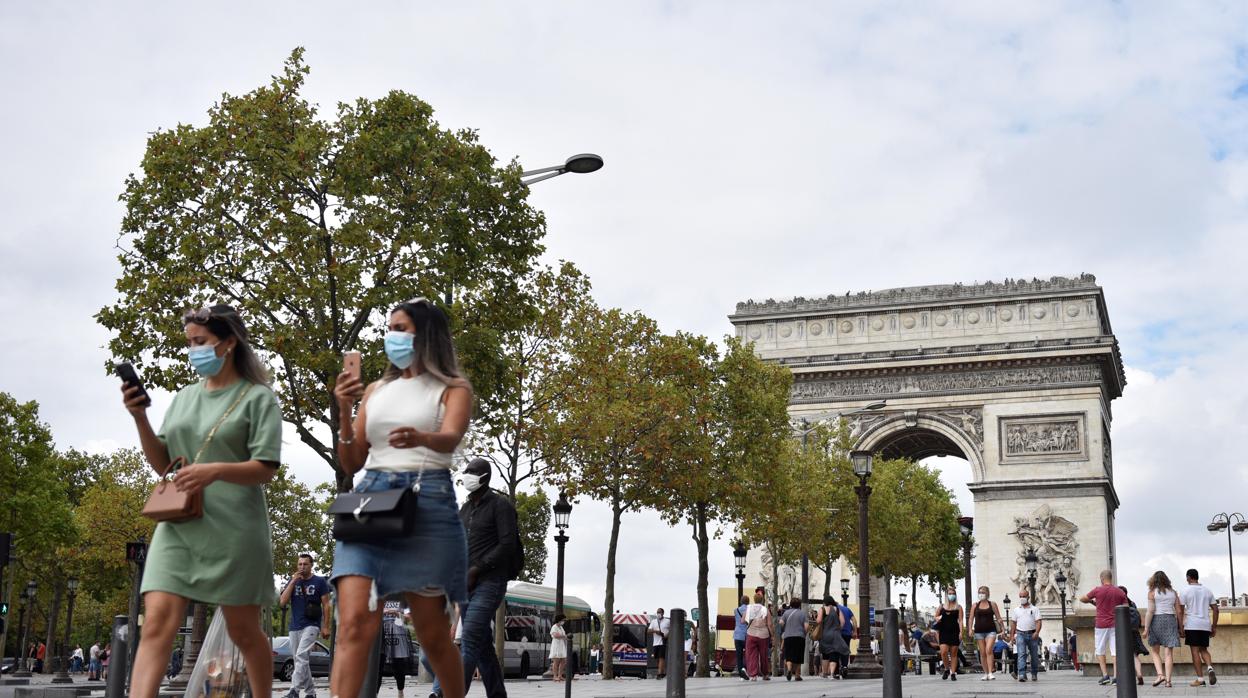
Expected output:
{"points": [[738, 636]]}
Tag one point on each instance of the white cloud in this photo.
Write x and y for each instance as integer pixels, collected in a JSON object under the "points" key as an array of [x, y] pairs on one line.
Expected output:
{"points": [[751, 151]]}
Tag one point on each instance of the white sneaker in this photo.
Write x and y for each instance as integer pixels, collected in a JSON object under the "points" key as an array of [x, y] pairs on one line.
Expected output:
{"points": [[985, 677], [992, 676]]}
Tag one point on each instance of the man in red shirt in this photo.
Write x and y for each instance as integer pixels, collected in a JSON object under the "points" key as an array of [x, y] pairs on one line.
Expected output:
{"points": [[1107, 597]]}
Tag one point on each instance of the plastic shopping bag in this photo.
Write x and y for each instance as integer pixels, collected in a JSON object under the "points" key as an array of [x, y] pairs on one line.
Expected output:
{"points": [[219, 670]]}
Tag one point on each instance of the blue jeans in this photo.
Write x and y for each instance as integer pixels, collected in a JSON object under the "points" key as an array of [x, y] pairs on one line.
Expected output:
{"points": [[477, 642], [1026, 643]]}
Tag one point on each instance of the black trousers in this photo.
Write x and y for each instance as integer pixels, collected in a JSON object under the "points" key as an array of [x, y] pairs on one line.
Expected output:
{"points": [[398, 669]]}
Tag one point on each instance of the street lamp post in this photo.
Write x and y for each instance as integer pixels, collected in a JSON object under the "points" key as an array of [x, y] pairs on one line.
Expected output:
{"points": [[583, 163], [1060, 580], [844, 592], [1229, 522], [865, 665], [966, 525], [28, 611], [563, 512], [738, 558], [902, 598], [1031, 560], [62, 674]]}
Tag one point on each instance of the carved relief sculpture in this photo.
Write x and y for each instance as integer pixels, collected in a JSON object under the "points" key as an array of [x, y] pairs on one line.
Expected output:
{"points": [[1054, 540], [951, 381], [1042, 437]]}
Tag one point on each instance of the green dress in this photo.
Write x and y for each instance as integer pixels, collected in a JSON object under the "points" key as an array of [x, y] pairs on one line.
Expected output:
{"points": [[226, 557]]}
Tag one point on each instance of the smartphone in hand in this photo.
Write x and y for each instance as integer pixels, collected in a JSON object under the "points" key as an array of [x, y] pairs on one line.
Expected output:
{"points": [[351, 364], [129, 377]]}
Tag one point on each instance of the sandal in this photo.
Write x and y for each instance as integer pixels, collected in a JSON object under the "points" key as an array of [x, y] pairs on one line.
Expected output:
{"points": [[1160, 680]]}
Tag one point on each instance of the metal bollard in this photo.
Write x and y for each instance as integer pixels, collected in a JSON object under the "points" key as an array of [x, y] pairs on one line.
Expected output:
{"points": [[372, 674], [117, 670], [891, 650], [1124, 646], [676, 665]]}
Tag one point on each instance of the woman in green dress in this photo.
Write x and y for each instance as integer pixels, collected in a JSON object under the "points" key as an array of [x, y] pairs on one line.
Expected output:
{"points": [[229, 427]]}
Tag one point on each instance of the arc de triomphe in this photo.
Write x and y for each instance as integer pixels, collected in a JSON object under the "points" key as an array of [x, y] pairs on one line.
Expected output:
{"points": [[1016, 377]]}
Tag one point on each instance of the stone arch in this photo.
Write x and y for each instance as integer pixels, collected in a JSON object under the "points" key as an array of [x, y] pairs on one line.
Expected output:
{"points": [[920, 436]]}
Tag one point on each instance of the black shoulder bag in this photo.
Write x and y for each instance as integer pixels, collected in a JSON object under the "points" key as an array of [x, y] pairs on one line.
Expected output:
{"points": [[366, 516]]}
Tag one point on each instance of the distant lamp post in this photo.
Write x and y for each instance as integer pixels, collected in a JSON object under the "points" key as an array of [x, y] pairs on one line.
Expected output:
{"points": [[844, 592], [62, 674], [28, 595], [966, 525], [865, 665], [902, 598], [1031, 561], [1006, 604], [738, 559], [563, 512], [1060, 580], [583, 163], [1229, 522]]}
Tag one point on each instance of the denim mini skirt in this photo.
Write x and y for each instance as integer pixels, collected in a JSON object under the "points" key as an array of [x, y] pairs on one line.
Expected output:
{"points": [[433, 561]]}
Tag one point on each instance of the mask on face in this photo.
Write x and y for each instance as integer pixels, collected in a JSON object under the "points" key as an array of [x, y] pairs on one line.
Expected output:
{"points": [[471, 481], [204, 360], [952, 597], [983, 597], [1024, 600], [399, 349]]}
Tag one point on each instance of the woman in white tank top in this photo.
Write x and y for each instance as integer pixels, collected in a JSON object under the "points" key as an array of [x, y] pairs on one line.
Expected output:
{"points": [[1162, 625], [406, 430]]}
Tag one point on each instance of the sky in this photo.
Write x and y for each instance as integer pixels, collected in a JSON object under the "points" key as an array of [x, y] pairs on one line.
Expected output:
{"points": [[752, 150]]}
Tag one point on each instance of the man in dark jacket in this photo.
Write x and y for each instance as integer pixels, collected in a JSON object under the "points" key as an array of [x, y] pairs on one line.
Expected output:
{"points": [[490, 523]]}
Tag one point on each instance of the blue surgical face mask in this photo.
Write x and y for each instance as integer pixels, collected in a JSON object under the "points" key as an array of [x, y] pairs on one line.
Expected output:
{"points": [[204, 360], [400, 348]]}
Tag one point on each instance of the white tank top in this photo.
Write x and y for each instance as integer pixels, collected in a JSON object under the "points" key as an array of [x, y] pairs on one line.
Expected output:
{"points": [[1163, 602], [405, 402]]}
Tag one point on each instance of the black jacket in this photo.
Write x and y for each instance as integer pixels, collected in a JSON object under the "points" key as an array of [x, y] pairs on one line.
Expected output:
{"points": [[490, 523]]}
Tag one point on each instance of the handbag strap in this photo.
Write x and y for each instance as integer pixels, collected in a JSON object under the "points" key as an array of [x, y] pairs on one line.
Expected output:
{"points": [[213, 432]]}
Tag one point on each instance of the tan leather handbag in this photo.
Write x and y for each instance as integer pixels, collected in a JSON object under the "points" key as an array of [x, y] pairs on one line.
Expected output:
{"points": [[167, 502]]}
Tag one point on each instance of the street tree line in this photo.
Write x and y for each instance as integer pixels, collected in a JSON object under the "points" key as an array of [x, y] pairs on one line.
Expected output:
{"points": [[314, 226]]}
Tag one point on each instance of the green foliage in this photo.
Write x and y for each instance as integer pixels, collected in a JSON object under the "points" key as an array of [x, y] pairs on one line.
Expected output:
{"points": [[533, 514], [300, 523], [532, 355], [314, 229], [107, 518]]}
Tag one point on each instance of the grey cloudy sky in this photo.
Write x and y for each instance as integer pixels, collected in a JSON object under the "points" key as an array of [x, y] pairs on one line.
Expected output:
{"points": [[753, 151]]}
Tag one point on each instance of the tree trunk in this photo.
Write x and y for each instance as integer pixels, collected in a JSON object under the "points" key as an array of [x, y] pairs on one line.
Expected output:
{"points": [[704, 606], [608, 620], [48, 661], [827, 579], [775, 601], [914, 598]]}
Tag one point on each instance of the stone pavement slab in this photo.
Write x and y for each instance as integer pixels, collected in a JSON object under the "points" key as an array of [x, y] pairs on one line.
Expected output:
{"points": [[1052, 685]]}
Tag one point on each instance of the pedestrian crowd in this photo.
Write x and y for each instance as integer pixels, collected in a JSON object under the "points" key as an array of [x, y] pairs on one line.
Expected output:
{"points": [[448, 565]]}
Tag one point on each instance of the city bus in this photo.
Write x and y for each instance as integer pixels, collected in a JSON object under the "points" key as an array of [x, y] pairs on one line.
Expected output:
{"points": [[530, 613]]}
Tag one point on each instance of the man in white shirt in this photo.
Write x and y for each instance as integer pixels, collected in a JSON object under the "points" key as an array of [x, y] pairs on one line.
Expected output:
{"points": [[1198, 623], [1025, 628], [659, 629], [1055, 653], [94, 668]]}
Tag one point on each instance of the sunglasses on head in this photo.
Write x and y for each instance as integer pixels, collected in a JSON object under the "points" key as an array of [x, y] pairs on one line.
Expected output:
{"points": [[199, 316]]}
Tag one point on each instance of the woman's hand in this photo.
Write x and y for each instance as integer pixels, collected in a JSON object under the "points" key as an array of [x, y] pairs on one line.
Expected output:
{"points": [[134, 400], [194, 478], [348, 390], [406, 437]]}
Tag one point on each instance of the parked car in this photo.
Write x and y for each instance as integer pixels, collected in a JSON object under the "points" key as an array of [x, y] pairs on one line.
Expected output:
{"points": [[284, 662], [7, 665]]}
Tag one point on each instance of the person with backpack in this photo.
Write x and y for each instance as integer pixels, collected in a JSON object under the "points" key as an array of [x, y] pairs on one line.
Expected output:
{"points": [[307, 595], [495, 556]]}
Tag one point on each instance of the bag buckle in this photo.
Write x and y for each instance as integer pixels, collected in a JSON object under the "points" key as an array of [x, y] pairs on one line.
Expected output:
{"points": [[360, 509]]}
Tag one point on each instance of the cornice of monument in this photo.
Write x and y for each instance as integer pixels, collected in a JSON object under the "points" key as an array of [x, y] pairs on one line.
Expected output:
{"points": [[910, 296]]}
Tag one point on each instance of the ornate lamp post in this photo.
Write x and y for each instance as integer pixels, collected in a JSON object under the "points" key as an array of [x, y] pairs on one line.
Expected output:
{"points": [[1229, 522], [62, 674], [563, 511], [865, 665], [28, 613], [738, 560], [1031, 560], [966, 525], [1005, 603], [902, 598], [1060, 580], [844, 592]]}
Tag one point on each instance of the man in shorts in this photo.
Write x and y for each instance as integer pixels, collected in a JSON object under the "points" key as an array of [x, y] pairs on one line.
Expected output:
{"points": [[659, 629], [1107, 597], [1198, 623]]}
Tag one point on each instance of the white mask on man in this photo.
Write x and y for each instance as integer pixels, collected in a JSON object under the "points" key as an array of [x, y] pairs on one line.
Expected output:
{"points": [[471, 481]]}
